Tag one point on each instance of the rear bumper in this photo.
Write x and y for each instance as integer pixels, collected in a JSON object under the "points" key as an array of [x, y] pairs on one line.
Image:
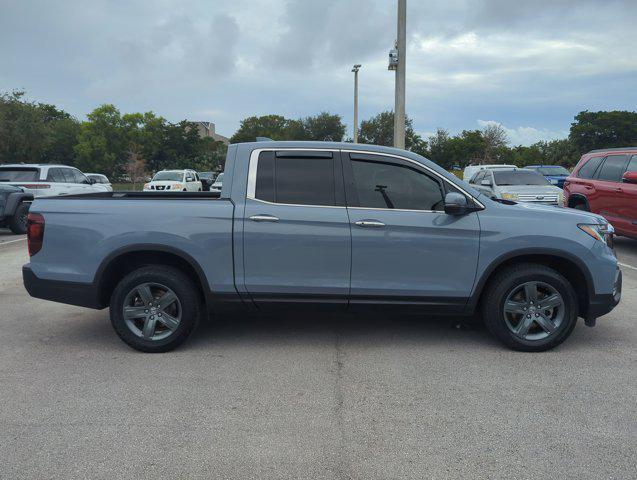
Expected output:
{"points": [[602, 304], [71, 293]]}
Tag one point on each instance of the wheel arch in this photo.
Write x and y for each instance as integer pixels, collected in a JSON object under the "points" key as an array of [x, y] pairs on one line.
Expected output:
{"points": [[568, 265], [124, 260], [577, 198]]}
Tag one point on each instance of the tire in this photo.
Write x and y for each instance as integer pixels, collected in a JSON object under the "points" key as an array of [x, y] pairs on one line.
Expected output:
{"points": [[131, 292], [545, 331], [581, 206], [18, 222]]}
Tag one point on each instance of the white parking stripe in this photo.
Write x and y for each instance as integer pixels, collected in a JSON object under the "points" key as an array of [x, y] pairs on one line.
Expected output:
{"points": [[12, 241], [625, 265]]}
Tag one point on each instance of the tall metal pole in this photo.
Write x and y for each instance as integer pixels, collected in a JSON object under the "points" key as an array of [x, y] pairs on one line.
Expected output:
{"points": [[399, 110], [355, 70]]}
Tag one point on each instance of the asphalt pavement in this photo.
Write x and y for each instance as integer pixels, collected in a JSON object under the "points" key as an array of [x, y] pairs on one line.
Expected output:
{"points": [[311, 397]]}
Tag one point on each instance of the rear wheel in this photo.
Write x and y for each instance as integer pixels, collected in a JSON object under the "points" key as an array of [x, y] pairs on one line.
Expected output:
{"points": [[530, 307], [155, 308], [18, 223], [581, 206]]}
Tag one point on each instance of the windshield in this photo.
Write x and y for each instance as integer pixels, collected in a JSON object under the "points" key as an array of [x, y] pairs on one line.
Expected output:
{"points": [[553, 171], [169, 176], [19, 175], [518, 177], [219, 178]]}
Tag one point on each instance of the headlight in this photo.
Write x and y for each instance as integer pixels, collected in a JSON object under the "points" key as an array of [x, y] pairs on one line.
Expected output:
{"points": [[177, 186], [147, 186], [510, 196], [602, 232]]}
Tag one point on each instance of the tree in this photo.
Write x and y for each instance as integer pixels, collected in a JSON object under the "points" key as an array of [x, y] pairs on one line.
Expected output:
{"points": [[379, 130], [135, 168], [270, 126], [321, 127], [593, 130], [495, 139]]}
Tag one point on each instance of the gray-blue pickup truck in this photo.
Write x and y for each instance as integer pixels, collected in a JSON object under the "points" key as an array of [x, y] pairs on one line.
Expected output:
{"points": [[338, 225]]}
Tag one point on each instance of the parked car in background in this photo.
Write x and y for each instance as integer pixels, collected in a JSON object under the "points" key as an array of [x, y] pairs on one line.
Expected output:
{"points": [[207, 179], [335, 226], [555, 174], [518, 185], [175, 181], [471, 170], [14, 208], [605, 182], [218, 185], [43, 180], [100, 180]]}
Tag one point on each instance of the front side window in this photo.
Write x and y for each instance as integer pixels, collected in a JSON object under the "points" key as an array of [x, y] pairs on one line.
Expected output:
{"points": [[297, 180], [394, 186], [590, 167], [632, 165], [613, 168]]}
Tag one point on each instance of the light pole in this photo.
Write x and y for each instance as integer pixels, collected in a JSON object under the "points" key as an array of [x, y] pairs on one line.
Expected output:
{"points": [[355, 69], [401, 47]]}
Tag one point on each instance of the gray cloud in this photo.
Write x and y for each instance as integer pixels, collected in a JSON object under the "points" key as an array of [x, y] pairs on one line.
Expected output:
{"points": [[528, 65]]}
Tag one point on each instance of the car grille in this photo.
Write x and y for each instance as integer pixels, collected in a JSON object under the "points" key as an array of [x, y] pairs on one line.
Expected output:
{"points": [[162, 187], [548, 199]]}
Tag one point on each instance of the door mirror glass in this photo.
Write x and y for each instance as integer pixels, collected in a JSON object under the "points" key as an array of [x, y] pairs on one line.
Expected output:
{"points": [[456, 204], [630, 177]]}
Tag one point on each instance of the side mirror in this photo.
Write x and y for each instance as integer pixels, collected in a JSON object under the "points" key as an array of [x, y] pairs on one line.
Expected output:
{"points": [[630, 177], [485, 183], [456, 204]]}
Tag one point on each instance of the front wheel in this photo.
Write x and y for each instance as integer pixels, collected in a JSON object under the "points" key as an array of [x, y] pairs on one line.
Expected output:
{"points": [[18, 223], [155, 308], [530, 307]]}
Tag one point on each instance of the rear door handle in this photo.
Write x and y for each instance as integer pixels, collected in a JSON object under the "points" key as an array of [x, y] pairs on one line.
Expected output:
{"points": [[370, 224], [264, 218]]}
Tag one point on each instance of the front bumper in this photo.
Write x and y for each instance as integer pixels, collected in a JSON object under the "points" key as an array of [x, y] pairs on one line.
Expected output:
{"points": [[602, 304], [71, 293]]}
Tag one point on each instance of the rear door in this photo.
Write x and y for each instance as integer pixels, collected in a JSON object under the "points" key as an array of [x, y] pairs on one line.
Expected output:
{"points": [[608, 187], [297, 242], [405, 249], [583, 183]]}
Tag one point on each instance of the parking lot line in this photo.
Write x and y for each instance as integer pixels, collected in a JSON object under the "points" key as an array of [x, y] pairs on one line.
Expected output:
{"points": [[625, 265], [12, 241]]}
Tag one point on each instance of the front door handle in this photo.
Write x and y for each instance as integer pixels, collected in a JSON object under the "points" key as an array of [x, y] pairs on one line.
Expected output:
{"points": [[264, 218], [370, 224]]}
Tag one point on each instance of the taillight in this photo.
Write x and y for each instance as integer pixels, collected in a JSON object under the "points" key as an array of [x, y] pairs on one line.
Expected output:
{"points": [[35, 232], [34, 186]]}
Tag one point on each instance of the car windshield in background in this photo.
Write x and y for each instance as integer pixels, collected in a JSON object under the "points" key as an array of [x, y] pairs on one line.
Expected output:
{"points": [[19, 175], [168, 176], [206, 175], [98, 178], [553, 171], [519, 177]]}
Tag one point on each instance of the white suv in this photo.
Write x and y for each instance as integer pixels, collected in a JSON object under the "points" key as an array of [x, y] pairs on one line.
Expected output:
{"points": [[174, 181], [43, 180]]}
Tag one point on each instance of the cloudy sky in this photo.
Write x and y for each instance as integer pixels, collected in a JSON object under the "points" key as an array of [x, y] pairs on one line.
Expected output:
{"points": [[528, 65]]}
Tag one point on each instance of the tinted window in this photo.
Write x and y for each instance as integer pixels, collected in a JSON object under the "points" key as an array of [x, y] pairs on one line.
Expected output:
{"points": [[588, 169], [519, 177], [613, 168], [304, 181], [477, 178], [388, 185], [632, 165], [55, 175], [19, 175], [265, 177], [77, 176]]}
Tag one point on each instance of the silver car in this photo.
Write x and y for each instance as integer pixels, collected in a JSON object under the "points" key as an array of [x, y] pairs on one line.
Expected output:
{"points": [[518, 186]]}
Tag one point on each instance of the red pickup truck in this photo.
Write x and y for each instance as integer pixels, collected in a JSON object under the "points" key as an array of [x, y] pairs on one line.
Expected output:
{"points": [[605, 182]]}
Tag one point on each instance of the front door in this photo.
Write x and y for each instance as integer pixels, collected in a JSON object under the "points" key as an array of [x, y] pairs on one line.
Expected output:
{"points": [[297, 243], [405, 249]]}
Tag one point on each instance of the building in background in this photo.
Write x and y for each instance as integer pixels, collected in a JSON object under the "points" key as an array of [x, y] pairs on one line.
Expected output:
{"points": [[207, 129]]}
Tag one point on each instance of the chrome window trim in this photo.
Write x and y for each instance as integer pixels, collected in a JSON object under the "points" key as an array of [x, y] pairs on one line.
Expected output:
{"points": [[254, 162]]}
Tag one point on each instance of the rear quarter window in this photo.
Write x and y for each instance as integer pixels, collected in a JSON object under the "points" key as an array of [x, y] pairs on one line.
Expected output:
{"points": [[19, 174]]}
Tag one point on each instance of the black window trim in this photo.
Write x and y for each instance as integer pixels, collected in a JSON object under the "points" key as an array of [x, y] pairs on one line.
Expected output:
{"points": [[597, 169]]}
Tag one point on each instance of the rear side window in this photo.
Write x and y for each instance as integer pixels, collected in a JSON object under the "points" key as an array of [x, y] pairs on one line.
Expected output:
{"points": [[19, 175], [590, 167], [613, 168], [55, 175], [632, 165], [394, 186], [296, 180]]}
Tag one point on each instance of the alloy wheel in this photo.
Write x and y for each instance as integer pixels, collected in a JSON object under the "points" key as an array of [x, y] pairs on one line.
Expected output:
{"points": [[534, 311], [152, 311]]}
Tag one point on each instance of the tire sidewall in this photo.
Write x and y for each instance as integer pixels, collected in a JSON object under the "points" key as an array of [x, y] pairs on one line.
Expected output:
{"points": [[15, 224], [178, 283], [501, 293]]}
